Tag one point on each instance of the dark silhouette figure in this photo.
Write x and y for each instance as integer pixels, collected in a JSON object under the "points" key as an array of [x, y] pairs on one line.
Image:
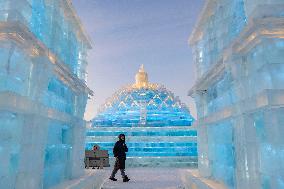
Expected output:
{"points": [[119, 152]]}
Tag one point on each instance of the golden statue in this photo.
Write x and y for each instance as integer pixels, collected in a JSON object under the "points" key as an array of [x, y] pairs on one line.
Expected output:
{"points": [[141, 79]]}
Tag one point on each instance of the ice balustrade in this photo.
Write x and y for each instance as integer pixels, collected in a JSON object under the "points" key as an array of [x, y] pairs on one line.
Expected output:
{"points": [[57, 154], [51, 24], [229, 17]]}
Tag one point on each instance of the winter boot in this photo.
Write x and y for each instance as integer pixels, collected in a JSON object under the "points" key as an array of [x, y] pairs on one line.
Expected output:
{"points": [[112, 178], [126, 179]]}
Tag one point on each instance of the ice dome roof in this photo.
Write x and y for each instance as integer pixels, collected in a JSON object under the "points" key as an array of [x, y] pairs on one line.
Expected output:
{"points": [[143, 103]]}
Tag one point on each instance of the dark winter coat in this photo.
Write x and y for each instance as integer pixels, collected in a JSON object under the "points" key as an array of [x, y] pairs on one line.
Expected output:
{"points": [[119, 151]]}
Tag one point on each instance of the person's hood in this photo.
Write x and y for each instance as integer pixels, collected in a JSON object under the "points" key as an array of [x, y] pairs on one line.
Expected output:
{"points": [[119, 137]]}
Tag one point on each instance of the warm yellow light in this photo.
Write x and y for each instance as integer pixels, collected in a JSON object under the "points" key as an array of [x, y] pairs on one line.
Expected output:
{"points": [[141, 79], [52, 58]]}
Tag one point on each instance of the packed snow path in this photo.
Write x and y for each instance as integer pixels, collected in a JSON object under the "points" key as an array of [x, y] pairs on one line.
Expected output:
{"points": [[147, 178]]}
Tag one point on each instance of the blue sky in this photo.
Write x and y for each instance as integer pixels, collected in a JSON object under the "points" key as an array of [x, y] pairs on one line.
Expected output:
{"points": [[128, 33]]}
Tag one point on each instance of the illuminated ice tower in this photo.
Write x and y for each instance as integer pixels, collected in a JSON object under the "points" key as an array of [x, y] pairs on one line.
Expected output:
{"points": [[238, 48], [43, 94], [156, 123]]}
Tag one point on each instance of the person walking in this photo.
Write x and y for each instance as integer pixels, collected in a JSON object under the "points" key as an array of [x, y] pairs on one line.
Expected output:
{"points": [[119, 152]]}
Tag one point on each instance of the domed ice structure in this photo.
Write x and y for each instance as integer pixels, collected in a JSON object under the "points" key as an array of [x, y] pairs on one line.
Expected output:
{"points": [[157, 125], [143, 103]]}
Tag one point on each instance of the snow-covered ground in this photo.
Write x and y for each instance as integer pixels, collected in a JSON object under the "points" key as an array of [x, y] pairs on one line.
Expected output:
{"points": [[147, 178]]}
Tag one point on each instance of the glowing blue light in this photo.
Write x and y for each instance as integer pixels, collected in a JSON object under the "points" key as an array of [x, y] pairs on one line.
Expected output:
{"points": [[158, 106]]}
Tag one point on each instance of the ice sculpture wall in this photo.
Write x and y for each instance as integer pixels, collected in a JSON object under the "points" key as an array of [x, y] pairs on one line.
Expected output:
{"points": [[150, 146], [238, 49], [156, 124], [42, 93]]}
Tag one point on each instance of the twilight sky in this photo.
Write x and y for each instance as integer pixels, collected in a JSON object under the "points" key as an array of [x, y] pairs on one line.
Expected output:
{"points": [[128, 33]]}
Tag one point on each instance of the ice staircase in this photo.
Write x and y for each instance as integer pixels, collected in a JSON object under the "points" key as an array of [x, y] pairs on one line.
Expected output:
{"points": [[174, 146]]}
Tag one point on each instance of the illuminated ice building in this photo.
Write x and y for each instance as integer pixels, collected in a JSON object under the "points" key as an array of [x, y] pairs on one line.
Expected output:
{"points": [[43, 53], [156, 123], [238, 48]]}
